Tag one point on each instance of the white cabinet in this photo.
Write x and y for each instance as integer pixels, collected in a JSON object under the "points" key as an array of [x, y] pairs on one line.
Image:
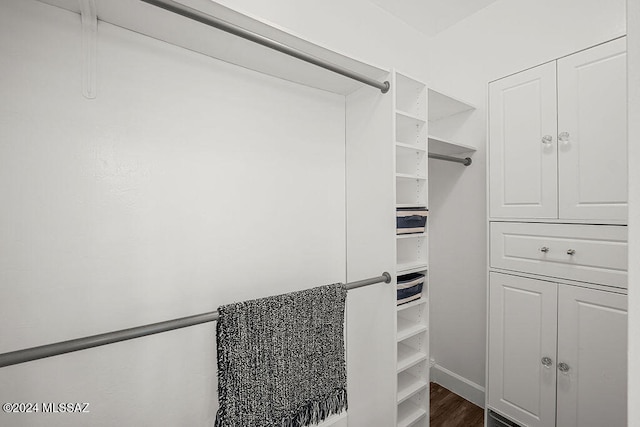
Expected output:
{"points": [[523, 174], [522, 331], [585, 253], [558, 143], [557, 320], [592, 126], [557, 353], [592, 343]]}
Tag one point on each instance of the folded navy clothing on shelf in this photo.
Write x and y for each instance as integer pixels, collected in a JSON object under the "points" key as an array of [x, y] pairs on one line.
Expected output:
{"points": [[409, 287], [411, 220]]}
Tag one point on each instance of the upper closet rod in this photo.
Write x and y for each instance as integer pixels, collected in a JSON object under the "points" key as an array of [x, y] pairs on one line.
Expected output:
{"points": [[35, 353], [466, 161], [220, 24]]}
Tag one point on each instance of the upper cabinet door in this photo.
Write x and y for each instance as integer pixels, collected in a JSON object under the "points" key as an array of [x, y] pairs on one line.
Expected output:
{"points": [[592, 358], [523, 149], [592, 140]]}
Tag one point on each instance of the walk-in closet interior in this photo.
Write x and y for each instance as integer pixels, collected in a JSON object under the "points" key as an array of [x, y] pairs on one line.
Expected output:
{"points": [[210, 199]]}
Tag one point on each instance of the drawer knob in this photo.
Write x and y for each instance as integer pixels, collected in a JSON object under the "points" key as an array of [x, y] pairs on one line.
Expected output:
{"points": [[571, 252], [563, 137], [544, 249], [563, 367], [546, 361], [547, 139]]}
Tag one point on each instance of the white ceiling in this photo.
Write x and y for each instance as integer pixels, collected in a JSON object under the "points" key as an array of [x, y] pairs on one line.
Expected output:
{"points": [[432, 16]]}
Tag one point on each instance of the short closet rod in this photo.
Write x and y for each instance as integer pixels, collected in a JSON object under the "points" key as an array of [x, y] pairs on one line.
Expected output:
{"points": [[228, 27], [466, 161], [35, 353]]}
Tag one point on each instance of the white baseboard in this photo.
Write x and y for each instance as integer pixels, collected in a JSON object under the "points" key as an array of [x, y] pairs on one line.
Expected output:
{"points": [[457, 384]]}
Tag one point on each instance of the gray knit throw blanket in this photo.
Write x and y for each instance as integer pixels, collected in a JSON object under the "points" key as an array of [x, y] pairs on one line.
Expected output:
{"points": [[281, 359]]}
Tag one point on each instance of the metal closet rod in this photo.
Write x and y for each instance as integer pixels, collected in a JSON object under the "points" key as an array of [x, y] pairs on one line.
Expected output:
{"points": [[228, 27], [466, 161], [35, 353]]}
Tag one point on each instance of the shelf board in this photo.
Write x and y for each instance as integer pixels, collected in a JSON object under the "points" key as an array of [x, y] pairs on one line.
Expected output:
{"points": [[410, 80], [409, 413], [162, 25], [410, 176], [407, 329], [441, 105], [408, 385], [408, 305], [411, 116], [411, 205], [448, 148], [410, 147], [411, 267], [410, 236], [333, 419], [408, 357]]}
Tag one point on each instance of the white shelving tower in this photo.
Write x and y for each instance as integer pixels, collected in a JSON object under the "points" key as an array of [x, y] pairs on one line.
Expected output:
{"points": [[415, 108], [412, 255]]}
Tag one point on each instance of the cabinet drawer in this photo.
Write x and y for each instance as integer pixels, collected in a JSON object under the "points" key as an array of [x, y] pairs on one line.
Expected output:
{"points": [[587, 253]]}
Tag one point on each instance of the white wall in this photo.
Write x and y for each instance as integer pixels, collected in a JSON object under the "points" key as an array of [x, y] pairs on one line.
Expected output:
{"points": [[360, 29], [506, 37], [188, 183], [356, 28], [178, 189], [633, 63]]}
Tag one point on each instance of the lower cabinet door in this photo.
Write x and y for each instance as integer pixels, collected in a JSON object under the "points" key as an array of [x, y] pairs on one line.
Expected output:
{"points": [[522, 349], [592, 358]]}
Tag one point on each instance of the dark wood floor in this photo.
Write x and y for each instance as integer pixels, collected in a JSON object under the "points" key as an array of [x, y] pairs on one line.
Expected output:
{"points": [[450, 410]]}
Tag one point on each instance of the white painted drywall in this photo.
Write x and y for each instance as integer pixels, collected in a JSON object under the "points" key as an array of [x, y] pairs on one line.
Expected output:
{"points": [[633, 79], [432, 16], [359, 29], [504, 38], [186, 184], [356, 28]]}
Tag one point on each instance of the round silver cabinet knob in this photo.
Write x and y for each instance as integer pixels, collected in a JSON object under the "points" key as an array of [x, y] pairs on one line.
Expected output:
{"points": [[547, 139], [546, 361], [544, 249], [563, 367], [563, 137], [571, 252]]}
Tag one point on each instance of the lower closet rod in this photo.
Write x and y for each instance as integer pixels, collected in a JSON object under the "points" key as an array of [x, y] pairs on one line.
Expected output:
{"points": [[35, 353], [466, 161]]}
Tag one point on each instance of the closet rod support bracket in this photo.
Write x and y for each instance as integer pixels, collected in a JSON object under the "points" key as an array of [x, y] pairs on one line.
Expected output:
{"points": [[89, 21]]}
